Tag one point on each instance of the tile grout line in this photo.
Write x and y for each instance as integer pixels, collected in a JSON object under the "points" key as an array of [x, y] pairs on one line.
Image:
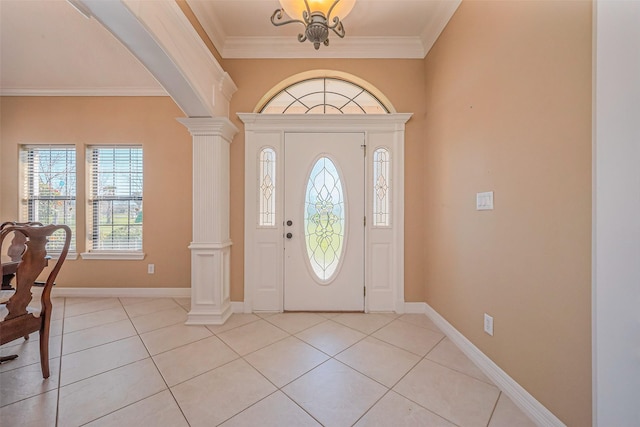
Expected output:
{"points": [[495, 406], [390, 389], [129, 318], [333, 357], [290, 335], [423, 358], [460, 372], [64, 307], [162, 376], [101, 345], [154, 364], [278, 388], [243, 357]]}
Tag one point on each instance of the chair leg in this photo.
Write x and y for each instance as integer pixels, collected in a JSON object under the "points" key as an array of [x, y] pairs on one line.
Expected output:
{"points": [[44, 348]]}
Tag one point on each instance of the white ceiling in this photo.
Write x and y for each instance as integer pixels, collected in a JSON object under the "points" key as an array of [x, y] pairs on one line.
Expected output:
{"points": [[374, 29], [49, 48]]}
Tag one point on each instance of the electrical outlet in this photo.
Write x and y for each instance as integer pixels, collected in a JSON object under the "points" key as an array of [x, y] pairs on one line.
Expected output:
{"points": [[151, 268], [488, 324]]}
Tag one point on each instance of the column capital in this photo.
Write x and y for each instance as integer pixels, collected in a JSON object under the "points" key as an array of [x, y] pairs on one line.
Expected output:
{"points": [[210, 126]]}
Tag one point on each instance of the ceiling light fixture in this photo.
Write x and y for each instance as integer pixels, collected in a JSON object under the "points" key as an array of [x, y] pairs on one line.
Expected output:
{"points": [[315, 15]]}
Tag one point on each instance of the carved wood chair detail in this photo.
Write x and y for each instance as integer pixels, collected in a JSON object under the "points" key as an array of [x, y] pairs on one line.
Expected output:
{"points": [[19, 320], [14, 253]]}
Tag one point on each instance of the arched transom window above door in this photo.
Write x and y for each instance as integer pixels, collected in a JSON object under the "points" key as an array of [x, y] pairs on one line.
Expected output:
{"points": [[322, 94], [324, 183]]}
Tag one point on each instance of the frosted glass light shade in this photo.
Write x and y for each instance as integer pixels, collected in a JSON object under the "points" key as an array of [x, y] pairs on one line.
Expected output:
{"points": [[294, 8]]}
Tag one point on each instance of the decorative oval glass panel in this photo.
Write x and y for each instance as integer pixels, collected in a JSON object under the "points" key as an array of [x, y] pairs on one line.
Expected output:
{"points": [[324, 218]]}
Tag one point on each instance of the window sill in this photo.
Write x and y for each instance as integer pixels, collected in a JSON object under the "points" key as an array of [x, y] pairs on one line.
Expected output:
{"points": [[119, 256], [70, 255]]}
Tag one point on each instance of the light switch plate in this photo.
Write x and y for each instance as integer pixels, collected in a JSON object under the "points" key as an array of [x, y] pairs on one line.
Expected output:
{"points": [[488, 324], [484, 201]]}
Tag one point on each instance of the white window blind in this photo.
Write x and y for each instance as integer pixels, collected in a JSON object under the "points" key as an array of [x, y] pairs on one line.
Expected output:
{"points": [[115, 198], [49, 189]]}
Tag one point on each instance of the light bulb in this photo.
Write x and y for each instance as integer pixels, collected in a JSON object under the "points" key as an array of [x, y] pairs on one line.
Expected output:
{"points": [[294, 8]]}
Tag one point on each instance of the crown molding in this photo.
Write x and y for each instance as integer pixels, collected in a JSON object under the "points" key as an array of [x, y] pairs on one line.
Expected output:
{"points": [[112, 91], [363, 47], [443, 13], [213, 26], [352, 47]]}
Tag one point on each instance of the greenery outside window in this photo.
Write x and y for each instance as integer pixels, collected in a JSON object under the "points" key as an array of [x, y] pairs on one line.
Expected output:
{"points": [[49, 189], [115, 175]]}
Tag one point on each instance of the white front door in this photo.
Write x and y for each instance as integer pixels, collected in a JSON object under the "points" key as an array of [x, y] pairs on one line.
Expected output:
{"points": [[324, 210]]}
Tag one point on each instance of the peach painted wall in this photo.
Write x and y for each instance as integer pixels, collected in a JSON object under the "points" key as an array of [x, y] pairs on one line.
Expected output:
{"points": [[150, 121], [508, 109], [502, 103], [400, 80]]}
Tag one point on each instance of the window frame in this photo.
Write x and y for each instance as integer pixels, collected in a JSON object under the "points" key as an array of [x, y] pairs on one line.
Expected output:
{"points": [[27, 174], [94, 201], [319, 95], [267, 206], [381, 207]]}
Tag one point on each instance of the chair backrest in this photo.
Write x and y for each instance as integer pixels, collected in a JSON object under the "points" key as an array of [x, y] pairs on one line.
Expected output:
{"points": [[33, 260], [18, 243]]}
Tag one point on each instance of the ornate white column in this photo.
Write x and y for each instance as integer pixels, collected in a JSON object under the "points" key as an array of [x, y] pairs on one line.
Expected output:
{"points": [[210, 245]]}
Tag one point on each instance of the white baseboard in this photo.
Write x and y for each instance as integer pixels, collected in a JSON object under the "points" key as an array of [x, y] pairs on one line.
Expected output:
{"points": [[121, 292], [414, 308], [237, 306], [520, 397]]}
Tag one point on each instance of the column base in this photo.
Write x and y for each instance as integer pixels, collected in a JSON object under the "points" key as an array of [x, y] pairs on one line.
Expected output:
{"points": [[210, 302], [209, 317]]}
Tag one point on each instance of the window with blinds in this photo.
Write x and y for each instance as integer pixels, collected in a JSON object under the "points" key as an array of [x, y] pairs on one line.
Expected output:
{"points": [[49, 189], [115, 198]]}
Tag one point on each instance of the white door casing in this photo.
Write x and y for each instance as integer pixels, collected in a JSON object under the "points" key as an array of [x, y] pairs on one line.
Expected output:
{"points": [[264, 245], [324, 221]]}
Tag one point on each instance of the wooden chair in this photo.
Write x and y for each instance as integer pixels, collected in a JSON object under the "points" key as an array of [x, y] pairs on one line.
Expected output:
{"points": [[14, 254], [18, 320]]}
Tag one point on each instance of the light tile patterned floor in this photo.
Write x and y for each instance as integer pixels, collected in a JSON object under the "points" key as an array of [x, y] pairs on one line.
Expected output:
{"points": [[129, 361]]}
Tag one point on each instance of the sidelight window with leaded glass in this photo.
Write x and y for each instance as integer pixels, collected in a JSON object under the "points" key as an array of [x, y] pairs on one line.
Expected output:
{"points": [[381, 188], [267, 188]]}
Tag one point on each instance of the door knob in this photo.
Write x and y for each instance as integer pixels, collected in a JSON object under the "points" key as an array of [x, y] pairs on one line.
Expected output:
{"points": [[289, 223], [289, 235]]}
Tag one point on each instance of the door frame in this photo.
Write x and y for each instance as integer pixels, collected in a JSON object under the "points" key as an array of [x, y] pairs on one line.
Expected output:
{"points": [[264, 246]]}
